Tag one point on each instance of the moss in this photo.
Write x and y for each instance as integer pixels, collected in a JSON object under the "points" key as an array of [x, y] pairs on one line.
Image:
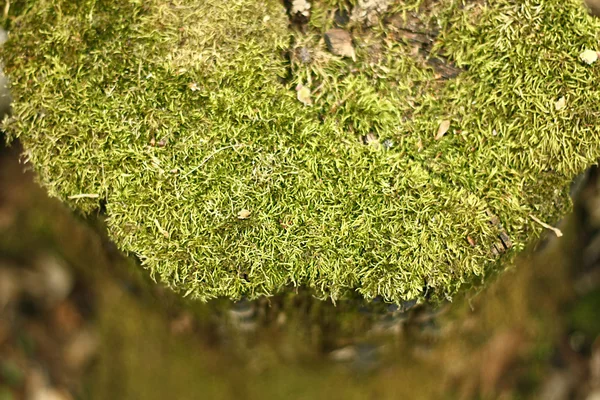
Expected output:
{"points": [[178, 115]]}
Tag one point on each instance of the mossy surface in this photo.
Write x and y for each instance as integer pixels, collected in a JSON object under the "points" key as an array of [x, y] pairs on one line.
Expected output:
{"points": [[177, 116]]}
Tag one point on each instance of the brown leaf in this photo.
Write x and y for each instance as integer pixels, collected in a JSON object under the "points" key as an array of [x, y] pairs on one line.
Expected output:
{"points": [[442, 129], [339, 42], [472, 242]]}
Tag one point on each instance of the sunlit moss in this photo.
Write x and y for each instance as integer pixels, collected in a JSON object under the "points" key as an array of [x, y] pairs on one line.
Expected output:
{"points": [[178, 115]]}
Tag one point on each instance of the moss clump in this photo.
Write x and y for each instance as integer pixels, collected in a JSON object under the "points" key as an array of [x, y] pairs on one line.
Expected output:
{"points": [[179, 115]]}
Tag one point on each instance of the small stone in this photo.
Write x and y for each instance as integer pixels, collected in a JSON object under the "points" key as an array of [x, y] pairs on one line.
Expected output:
{"points": [[304, 55], [50, 282], [369, 12], [560, 104], [371, 139], [589, 56], [301, 7], [244, 214], [303, 95], [345, 354], [339, 42], [80, 350], [442, 129]]}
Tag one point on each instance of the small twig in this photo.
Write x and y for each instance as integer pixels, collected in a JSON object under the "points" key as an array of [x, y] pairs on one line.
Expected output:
{"points": [[160, 229], [545, 225], [84, 196], [211, 155], [6, 10]]}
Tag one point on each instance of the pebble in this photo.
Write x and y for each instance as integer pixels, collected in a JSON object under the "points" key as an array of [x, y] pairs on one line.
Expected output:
{"points": [[345, 354], [50, 281], [304, 55], [369, 11], [80, 350], [301, 7]]}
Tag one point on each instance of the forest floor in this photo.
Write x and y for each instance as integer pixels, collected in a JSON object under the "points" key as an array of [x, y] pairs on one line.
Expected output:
{"points": [[78, 320]]}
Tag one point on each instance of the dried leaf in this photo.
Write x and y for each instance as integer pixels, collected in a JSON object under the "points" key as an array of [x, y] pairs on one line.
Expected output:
{"points": [[589, 56], [304, 95], [443, 128], [244, 214], [339, 42], [472, 242], [560, 104]]}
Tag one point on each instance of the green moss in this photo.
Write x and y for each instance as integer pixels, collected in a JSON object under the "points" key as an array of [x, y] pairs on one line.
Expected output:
{"points": [[97, 83]]}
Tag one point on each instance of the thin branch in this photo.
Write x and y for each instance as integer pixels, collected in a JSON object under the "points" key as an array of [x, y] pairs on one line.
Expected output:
{"points": [[545, 225], [84, 196], [211, 155]]}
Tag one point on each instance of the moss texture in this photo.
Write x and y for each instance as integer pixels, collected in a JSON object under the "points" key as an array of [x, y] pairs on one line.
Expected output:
{"points": [[177, 116]]}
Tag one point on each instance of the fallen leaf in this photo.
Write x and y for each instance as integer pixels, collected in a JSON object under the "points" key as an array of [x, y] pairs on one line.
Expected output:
{"points": [[244, 214], [560, 104], [304, 95], [443, 128], [589, 56], [472, 242], [339, 42]]}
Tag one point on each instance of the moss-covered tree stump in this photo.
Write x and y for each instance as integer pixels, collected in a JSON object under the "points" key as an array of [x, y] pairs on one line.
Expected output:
{"points": [[236, 154]]}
